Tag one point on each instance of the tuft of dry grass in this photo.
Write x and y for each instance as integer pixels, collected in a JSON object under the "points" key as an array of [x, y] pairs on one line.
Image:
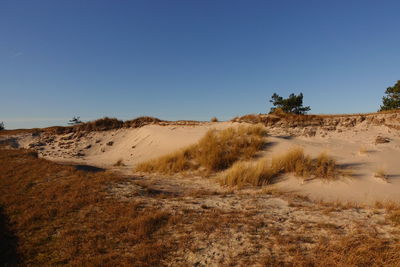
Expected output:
{"points": [[294, 161], [303, 165], [216, 151], [248, 173], [119, 163], [381, 174], [363, 150]]}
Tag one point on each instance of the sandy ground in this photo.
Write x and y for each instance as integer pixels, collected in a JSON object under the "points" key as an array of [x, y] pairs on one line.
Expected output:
{"points": [[353, 147], [225, 227]]}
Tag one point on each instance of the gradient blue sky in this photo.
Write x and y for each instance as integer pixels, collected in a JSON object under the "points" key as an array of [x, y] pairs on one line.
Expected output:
{"points": [[192, 59]]}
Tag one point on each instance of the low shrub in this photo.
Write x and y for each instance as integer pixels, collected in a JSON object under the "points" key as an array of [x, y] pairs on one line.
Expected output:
{"points": [[141, 121]]}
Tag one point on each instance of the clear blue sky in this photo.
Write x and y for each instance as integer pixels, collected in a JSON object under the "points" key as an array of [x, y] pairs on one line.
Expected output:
{"points": [[192, 59]]}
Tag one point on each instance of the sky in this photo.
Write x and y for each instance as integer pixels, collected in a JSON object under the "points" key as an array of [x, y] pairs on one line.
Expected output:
{"points": [[192, 59]]}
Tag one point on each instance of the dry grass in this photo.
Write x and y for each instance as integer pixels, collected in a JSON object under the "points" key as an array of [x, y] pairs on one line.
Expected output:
{"points": [[294, 161], [392, 209], [381, 174], [303, 165], [248, 173], [62, 216], [363, 150], [104, 124], [141, 121], [357, 249], [216, 151], [119, 163]]}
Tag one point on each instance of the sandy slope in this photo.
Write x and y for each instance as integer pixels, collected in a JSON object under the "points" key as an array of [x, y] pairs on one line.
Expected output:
{"points": [[353, 146], [133, 145]]}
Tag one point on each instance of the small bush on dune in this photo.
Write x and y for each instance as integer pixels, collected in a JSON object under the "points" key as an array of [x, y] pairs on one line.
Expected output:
{"points": [[141, 121], [214, 119], [216, 151], [100, 125]]}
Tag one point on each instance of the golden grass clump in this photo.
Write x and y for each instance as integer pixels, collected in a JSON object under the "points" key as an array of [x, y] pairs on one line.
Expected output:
{"points": [[303, 165], [295, 161], [248, 173], [216, 151]]}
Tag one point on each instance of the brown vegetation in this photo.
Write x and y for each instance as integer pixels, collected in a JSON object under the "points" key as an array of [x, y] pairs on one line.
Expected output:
{"points": [[358, 249], [294, 161], [141, 121], [216, 151], [104, 124], [214, 119], [248, 173], [64, 216]]}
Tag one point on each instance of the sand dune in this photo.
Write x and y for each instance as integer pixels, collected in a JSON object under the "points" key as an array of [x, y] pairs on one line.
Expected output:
{"points": [[351, 141]]}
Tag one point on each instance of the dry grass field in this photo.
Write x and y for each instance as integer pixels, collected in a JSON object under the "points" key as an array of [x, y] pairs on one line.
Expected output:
{"points": [[54, 214], [202, 193]]}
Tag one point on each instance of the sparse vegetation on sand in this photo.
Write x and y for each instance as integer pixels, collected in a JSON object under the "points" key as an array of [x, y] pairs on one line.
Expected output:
{"points": [[295, 161], [105, 124], [358, 249], [216, 151]]}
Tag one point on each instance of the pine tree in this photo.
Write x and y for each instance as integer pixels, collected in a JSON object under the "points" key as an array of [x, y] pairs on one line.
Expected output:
{"points": [[392, 98], [74, 121], [292, 104]]}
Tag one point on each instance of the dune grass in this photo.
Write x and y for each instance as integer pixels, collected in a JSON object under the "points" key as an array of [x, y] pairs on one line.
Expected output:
{"points": [[294, 161], [245, 173], [216, 151]]}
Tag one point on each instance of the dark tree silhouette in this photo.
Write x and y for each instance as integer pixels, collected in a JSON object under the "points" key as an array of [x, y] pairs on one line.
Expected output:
{"points": [[392, 98], [292, 104], [74, 121], [2, 126]]}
